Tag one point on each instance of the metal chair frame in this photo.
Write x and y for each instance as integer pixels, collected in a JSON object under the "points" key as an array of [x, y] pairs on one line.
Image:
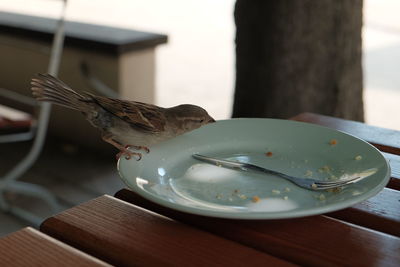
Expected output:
{"points": [[9, 182]]}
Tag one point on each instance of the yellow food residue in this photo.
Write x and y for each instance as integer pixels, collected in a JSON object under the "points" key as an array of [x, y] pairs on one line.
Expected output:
{"points": [[333, 142]]}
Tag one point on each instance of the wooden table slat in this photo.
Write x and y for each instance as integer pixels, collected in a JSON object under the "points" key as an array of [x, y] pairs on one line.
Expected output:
{"points": [[310, 241], [386, 140], [394, 162], [123, 234], [29, 247], [381, 212]]}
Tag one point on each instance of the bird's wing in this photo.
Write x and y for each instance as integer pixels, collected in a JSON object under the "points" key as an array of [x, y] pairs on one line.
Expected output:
{"points": [[141, 116]]}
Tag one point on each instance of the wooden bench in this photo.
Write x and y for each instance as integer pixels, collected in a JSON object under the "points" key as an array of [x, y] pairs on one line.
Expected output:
{"points": [[125, 59], [129, 230]]}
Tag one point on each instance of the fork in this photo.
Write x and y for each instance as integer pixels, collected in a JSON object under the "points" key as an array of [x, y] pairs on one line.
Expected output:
{"points": [[307, 183]]}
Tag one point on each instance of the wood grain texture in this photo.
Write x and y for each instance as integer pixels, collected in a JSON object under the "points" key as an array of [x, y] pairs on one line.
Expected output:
{"points": [[310, 241], [381, 212], [123, 234], [29, 247], [385, 140]]}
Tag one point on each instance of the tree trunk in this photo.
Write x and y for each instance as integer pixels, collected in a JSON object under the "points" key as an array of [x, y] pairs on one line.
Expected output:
{"points": [[298, 56]]}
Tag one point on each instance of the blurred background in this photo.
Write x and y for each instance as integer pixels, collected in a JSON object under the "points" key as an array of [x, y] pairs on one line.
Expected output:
{"points": [[196, 65]]}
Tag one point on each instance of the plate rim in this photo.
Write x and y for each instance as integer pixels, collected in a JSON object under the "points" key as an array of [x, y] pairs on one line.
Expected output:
{"points": [[262, 215]]}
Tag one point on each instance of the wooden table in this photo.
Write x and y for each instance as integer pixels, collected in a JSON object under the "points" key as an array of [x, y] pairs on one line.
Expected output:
{"points": [[127, 229]]}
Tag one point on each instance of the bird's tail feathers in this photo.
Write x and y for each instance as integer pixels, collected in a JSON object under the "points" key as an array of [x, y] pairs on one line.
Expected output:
{"points": [[49, 88]]}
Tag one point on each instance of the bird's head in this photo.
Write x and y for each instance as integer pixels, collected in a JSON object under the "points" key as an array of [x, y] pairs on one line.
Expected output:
{"points": [[190, 117]]}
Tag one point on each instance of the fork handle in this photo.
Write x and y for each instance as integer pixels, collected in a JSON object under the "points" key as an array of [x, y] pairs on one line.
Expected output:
{"points": [[225, 163], [248, 166], [240, 165]]}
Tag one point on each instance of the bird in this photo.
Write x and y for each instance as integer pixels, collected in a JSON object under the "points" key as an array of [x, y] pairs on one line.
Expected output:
{"points": [[124, 124]]}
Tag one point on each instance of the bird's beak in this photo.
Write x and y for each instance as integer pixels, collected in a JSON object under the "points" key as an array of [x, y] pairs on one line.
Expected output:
{"points": [[211, 120]]}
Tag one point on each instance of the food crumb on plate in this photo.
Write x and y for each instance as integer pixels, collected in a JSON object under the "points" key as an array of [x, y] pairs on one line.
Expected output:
{"points": [[276, 192], [314, 186], [287, 189], [333, 177], [255, 199], [358, 157], [309, 173], [356, 193], [285, 197], [268, 154], [322, 197], [333, 142], [325, 168], [335, 190]]}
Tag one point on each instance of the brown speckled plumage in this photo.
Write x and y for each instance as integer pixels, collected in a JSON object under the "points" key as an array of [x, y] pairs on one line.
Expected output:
{"points": [[123, 123]]}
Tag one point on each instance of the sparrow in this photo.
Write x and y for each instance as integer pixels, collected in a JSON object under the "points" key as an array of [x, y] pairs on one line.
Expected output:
{"points": [[124, 124]]}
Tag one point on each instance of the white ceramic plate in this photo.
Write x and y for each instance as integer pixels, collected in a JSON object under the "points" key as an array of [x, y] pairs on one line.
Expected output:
{"points": [[169, 176]]}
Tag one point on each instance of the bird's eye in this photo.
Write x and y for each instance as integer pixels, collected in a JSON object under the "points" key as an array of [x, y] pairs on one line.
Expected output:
{"points": [[202, 120]]}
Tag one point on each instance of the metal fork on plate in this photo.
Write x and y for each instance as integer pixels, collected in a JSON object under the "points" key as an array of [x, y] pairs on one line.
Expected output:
{"points": [[308, 183]]}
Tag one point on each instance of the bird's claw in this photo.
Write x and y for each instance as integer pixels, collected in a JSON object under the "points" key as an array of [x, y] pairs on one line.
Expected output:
{"points": [[145, 148], [128, 155]]}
